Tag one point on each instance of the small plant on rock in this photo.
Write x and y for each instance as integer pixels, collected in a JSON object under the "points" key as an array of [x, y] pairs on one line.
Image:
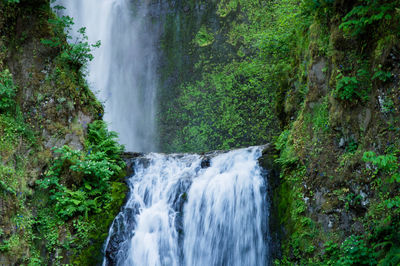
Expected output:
{"points": [[7, 91]]}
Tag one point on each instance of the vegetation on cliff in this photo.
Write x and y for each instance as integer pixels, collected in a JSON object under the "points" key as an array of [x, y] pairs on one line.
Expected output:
{"points": [[60, 169], [323, 76]]}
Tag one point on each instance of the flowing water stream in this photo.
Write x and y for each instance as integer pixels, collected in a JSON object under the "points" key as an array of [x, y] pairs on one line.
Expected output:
{"points": [[193, 211]]}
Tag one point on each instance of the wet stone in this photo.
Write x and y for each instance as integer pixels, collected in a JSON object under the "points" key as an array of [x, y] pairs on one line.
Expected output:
{"points": [[4, 261]]}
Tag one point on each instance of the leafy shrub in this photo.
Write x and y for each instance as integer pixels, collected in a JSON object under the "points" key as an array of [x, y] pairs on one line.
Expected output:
{"points": [[382, 75], [90, 172], [351, 146], [365, 14], [7, 91], [77, 52], [346, 87], [353, 87], [354, 251], [388, 164], [59, 24], [99, 139], [392, 257]]}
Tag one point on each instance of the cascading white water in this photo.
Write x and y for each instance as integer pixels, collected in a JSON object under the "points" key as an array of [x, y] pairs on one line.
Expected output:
{"points": [[182, 210], [224, 217], [188, 210], [123, 71]]}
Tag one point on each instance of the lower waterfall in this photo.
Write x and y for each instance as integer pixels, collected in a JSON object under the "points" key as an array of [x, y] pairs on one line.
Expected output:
{"points": [[193, 210]]}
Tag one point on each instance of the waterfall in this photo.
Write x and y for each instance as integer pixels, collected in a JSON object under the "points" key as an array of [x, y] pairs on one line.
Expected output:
{"points": [[193, 210], [181, 209], [123, 72]]}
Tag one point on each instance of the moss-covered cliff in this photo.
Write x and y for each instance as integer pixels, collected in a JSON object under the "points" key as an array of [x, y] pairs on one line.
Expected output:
{"points": [[340, 156], [55, 205], [320, 80], [214, 83]]}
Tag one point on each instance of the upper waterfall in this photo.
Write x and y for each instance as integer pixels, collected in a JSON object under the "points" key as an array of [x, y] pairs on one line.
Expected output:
{"points": [[123, 72]]}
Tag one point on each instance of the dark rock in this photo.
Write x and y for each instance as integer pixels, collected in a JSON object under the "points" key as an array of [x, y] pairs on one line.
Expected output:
{"points": [[131, 155], [206, 162], [271, 172]]}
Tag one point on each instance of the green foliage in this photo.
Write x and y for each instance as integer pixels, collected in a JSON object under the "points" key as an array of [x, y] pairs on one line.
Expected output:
{"points": [[368, 12], [384, 214], [90, 172], [351, 146], [228, 108], [7, 91], [292, 213], [94, 230], [332, 252], [388, 164], [235, 104], [204, 37], [351, 88], [346, 87], [81, 192], [99, 139], [6, 175], [225, 7], [83, 228], [48, 225], [41, 225], [78, 51], [387, 105], [353, 251], [392, 257], [287, 156], [318, 7], [10, 244], [292, 208], [318, 117], [382, 75]]}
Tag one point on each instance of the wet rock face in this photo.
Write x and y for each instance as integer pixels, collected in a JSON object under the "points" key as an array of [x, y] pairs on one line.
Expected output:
{"points": [[317, 80], [119, 239], [271, 174], [130, 159], [205, 162], [335, 211]]}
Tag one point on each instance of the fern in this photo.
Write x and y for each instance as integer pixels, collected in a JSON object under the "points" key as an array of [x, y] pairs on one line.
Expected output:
{"points": [[92, 172], [366, 14]]}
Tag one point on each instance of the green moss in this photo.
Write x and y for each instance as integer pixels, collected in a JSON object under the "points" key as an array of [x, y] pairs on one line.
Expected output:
{"points": [[384, 46], [318, 117], [240, 74], [204, 37], [99, 226], [298, 241]]}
